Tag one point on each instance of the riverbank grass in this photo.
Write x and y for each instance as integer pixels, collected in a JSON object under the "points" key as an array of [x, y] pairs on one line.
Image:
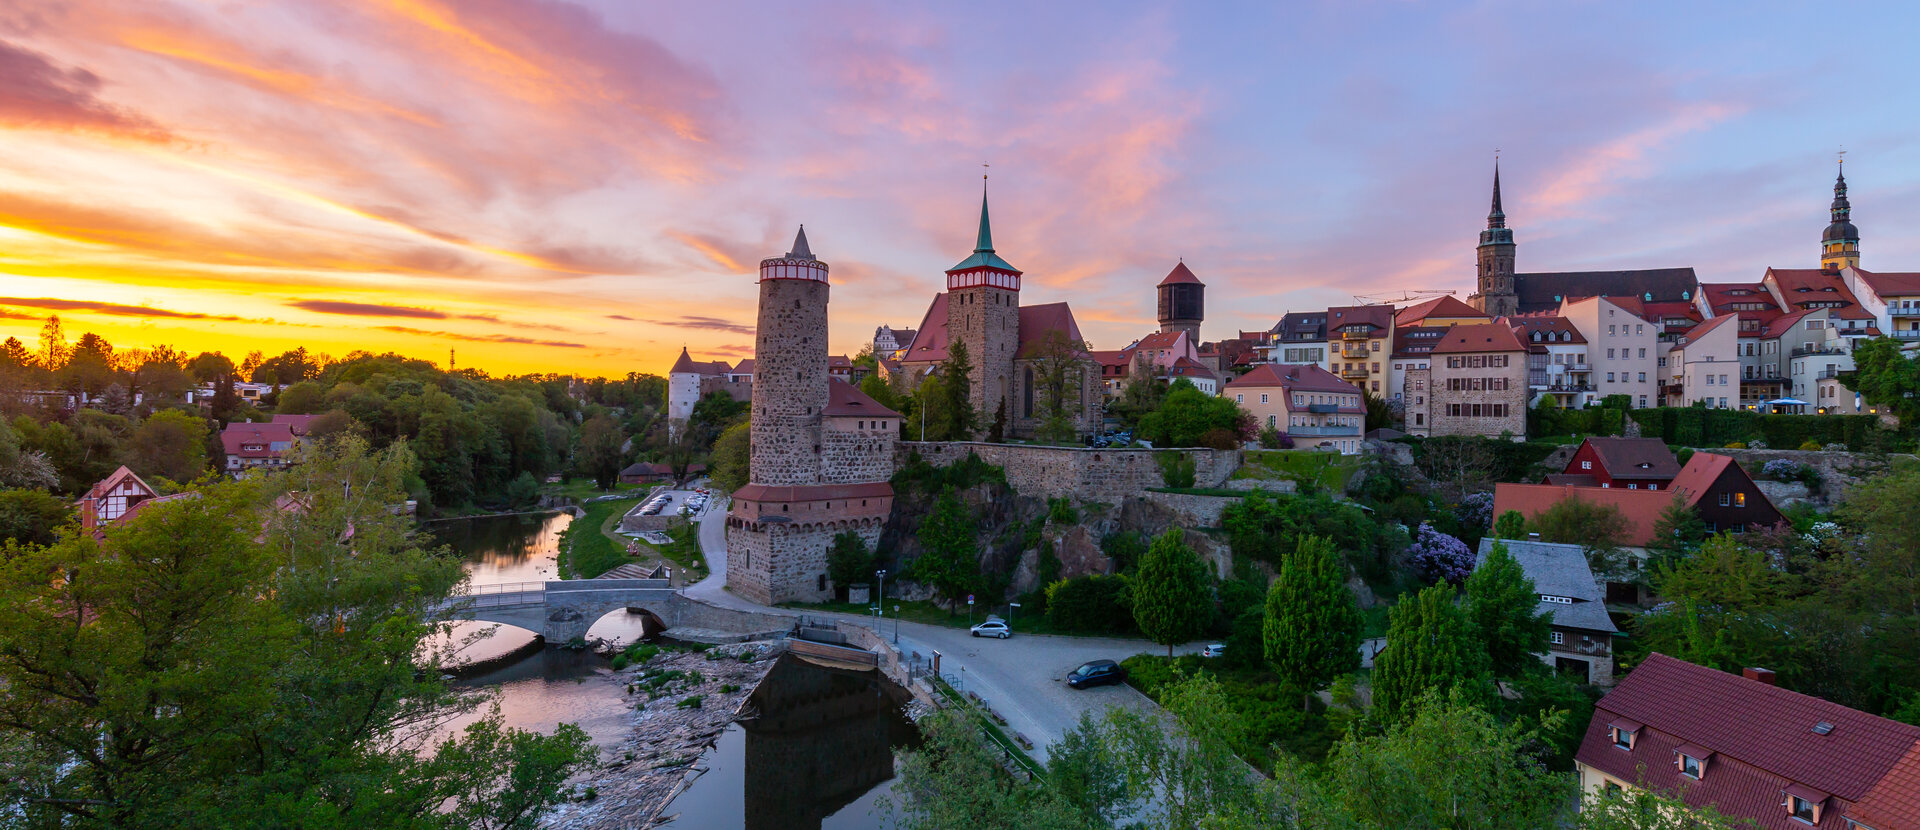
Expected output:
{"points": [[589, 547], [581, 489]]}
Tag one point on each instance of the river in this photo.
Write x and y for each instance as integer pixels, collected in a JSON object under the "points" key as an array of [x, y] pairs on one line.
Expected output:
{"points": [[783, 770]]}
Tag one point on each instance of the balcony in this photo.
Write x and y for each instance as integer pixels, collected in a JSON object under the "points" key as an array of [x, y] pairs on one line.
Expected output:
{"points": [[1801, 351], [1578, 367], [1355, 373], [1904, 334], [1827, 374], [1322, 408], [1345, 432], [1354, 335], [1355, 351]]}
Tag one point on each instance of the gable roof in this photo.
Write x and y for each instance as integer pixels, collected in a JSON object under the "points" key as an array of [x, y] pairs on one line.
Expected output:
{"points": [[1037, 320], [1640, 508], [297, 423], [1545, 290], [1180, 274], [844, 400], [1445, 306], [1300, 325], [235, 438], [1188, 367], [113, 480], [1891, 284], [1301, 377], [1894, 803], [687, 365], [1550, 328], [1483, 337], [1634, 458], [1378, 316], [930, 340], [1761, 737], [1695, 333], [1561, 571], [1784, 323], [1158, 340]]}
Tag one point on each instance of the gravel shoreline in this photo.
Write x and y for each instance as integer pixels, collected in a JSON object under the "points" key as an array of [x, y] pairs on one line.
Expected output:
{"points": [[683, 701]]}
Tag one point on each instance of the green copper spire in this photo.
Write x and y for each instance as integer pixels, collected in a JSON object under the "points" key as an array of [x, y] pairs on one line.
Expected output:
{"points": [[984, 245]]}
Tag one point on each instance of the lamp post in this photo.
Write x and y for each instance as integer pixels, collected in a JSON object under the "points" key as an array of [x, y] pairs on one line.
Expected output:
{"points": [[880, 585], [1010, 607], [896, 623]]}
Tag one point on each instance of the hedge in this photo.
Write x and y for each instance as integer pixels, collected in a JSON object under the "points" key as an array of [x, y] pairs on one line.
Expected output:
{"points": [[1702, 427]]}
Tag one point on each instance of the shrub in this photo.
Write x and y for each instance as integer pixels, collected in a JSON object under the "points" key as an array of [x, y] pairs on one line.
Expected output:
{"points": [[1736, 445], [1097, 604], [1439, 556], [1476, 510], [1781, 469], [1060, 511], [1810, 445], [1270, 437], [690, 702], [1177, 469], [1835, 447]]}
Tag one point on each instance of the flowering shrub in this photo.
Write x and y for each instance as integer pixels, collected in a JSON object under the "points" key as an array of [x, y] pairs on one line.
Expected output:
{"points": [[1476, 510], [1439, 556], [1781, 469], [1835, 447], [1756, 444]]}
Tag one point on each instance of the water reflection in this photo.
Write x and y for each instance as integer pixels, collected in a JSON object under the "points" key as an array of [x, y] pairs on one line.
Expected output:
{"points": [[499, 549], [817, 755], [554, 686]]}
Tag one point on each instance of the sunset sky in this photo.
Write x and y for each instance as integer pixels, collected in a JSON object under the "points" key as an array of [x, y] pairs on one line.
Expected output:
{"points": [[587, 186]]}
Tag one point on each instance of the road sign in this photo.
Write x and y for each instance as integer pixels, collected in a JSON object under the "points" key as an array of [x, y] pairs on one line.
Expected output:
{"points": [[969, 599]]}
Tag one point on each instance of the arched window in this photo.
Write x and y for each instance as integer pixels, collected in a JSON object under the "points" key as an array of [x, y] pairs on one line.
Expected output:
{"points": [[1028, 392]]}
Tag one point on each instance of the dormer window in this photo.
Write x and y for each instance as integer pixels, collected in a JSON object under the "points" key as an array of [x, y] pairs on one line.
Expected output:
{"points": [[1804, 804], [1623, 732], [1691, 761]]}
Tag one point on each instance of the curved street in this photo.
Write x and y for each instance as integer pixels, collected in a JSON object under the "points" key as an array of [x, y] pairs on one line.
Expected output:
{"points": [[1021, 677]]}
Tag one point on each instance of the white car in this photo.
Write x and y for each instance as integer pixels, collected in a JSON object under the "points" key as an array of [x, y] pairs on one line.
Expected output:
{"points": [[1214, 650], [993, 628]]}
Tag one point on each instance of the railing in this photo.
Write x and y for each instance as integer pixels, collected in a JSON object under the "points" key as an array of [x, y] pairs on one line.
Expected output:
{"points": [[1354, 335], [1828, 373], [502, 588], [1322, 408], [1807, 350], [1905, 334], [1355, 372], [1352, 352], [1578, 367], [1352, 431]]}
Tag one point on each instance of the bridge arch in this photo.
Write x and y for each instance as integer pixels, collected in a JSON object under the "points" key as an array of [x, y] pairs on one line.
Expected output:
{"points": [[627, 625]]}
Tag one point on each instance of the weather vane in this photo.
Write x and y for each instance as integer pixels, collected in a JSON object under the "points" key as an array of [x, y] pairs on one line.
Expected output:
{"points": [[983, 170], [1843, 154]]}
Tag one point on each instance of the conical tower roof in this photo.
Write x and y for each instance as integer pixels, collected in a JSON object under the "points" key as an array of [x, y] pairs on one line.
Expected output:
{"points": [[684, 364], [1180, 274], [983, 255], [800, 249]]}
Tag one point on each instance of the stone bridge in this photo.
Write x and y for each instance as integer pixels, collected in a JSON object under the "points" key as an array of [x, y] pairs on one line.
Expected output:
{"points": [[563, 610]]}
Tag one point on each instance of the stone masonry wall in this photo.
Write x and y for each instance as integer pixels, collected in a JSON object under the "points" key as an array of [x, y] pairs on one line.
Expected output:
{"points": [[1514, 396], [1086, 406], [1103, 475], [773, 562], [1839, 471], [1194, 511], [852, 455], [987, 319], [789, 382]]}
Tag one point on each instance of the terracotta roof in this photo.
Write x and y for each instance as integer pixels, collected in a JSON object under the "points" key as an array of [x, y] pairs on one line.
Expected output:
{"points": [[1554, 326], [1894, 803], [275, 439], [1698, 331], [297, 423], [647, 468], [1437, 307], [838, 361], [1180, 274], [1761, 741], [1301, 377], [1188, 367], [686, 364], [1037, 320], [930, 343], [1485, 337], [1417, 341], [1804, 285], [1380, 317], [1546, 290], [1632, 305], [1702, 470], [1634, 458], [844, 400], [817, 492], [683, 365], [1719, 294], [1640, 508], [744, 367], [1573, 479], [1782, 324], [1158, 340], [1891, 284]]}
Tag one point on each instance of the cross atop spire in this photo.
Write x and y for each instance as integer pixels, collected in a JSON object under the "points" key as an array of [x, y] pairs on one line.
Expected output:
{"points": [[800, 249]]}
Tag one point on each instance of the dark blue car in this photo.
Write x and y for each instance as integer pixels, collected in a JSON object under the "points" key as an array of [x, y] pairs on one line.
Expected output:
{"points": [[1096, 672]]}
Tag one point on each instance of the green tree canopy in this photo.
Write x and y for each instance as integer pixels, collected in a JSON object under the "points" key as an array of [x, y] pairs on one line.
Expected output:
{"points": [[1884, 375], [1171, 601], [951, 563], [1431, 645], [1312, 627], [1505, 608], [729, 464], [170, 444], [848, 561], [1192, 418]]}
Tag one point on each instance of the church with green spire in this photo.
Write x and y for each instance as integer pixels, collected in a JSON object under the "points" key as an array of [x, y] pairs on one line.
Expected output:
{"points": [[1015, 351]]}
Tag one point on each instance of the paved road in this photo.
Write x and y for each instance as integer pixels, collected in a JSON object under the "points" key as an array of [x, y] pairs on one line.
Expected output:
{"points": [[1020, 677]]}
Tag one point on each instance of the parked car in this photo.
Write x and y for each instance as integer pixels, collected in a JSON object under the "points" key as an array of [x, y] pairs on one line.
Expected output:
{"points": [[1096, 672], [993, 628], [1214, 650]]}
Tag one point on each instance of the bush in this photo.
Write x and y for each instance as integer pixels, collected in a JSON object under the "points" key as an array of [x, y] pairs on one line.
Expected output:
{"points": [[1781, 469], [690, 702], [1736, 445], [1810, 445], [1177, 469], [1124, 547], [1439, 556], [1097, 604], [1060, 511]]}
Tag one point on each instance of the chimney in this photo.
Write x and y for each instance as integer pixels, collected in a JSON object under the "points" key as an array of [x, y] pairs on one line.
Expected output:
{"points": [[1761, 675]]}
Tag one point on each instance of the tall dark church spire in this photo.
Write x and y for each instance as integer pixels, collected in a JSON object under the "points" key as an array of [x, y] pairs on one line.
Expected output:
{"points": [[1840, 244], [1495, 293]]}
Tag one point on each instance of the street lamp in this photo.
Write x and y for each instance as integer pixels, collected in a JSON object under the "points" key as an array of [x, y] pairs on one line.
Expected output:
{"points": [[880, 585], [1010, 607], [896, 623]]}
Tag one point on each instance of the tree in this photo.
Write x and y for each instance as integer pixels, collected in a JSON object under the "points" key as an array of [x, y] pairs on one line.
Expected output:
{"points": [[1312, 627], [1886, 574], [89, 368], [1142, 393], [264, 667], [712, 414], [728, 465], [1440, 557], [1379, 414], [848, 561], [31, 517], [955, 780], [1677, 533], [877, 388], [1431, 645], [1505, 608], [1170, 597], [205, 367], [53, 345], [303, 398], [1724, 574], [1449, 765], [1511, 525], [1089, 776], [171, 444], [1188, 416], [951, 563], [1642, 809], [1600, 528], [1884, 375], [955, 404], [599, 457], [1059, 364]]}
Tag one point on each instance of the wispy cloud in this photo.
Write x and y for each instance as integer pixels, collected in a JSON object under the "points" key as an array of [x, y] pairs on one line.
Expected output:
{"points": [[481, 338], [707, 323], [117, 310], [366, 309], [38, 94]]}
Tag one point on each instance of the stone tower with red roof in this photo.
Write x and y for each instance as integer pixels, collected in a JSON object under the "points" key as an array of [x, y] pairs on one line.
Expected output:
{"points": [[983, 311], [821, 453], [1182, 302]]}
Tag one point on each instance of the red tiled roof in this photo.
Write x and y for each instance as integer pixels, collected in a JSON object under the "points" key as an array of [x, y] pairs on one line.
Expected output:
{"points": [[1159, 340], [1573, 480], [1760, 737], [1891, 284], [817, 492], [1301, 377], [1180, 274], [1806, 285], [930, 340], [1188, 367], [1378, 316], [1485, 337], [297, 423], [1782, 324], [844, 400], [1696, 332], [1635, 458], [838, 361], [1894, 803], [744, 367], [239, 434], [1437, 307], [1640, 508], [1549, 325], [1037, 320]]}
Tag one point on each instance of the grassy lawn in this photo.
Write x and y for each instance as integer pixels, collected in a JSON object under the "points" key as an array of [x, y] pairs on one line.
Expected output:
{"points": [[1328, 470], [927, 613], [582, 489], [589, 547], [684, 553]]}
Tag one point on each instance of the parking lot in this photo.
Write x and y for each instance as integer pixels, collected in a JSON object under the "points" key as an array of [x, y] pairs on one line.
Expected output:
{"points": [[693, 502]]}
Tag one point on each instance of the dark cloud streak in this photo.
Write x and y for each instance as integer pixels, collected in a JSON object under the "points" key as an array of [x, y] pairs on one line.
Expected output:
{"points": [[706, 323], [482, 338]]}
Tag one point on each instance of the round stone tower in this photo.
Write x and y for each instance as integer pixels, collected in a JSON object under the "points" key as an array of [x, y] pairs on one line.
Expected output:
{"points": [[790, 369], [1183, 302]]}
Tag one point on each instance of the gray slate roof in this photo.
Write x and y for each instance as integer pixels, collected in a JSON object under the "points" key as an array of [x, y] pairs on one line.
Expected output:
{"points": [[1561, 571]]}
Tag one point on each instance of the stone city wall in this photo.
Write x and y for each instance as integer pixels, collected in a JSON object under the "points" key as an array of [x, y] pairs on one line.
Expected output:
{"points": [[1099, 475], [852, 455], [1194, 511], [775, 562]]}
